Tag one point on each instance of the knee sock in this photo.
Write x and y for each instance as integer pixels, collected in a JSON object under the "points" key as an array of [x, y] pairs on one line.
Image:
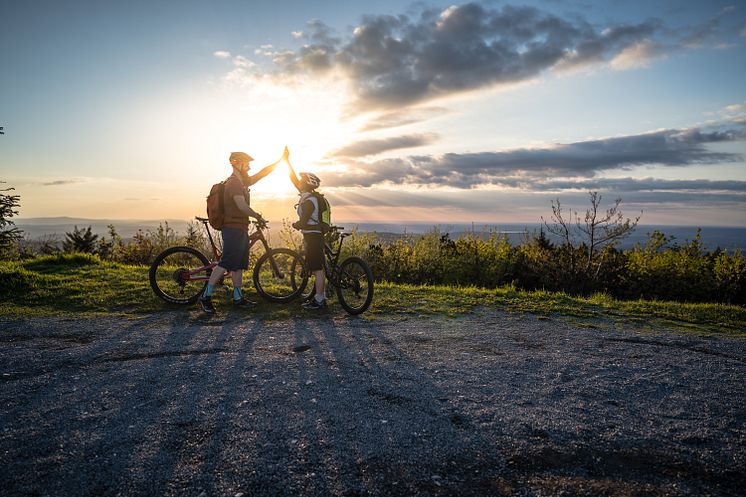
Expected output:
{"points": [[209, 290], [237, 293]]}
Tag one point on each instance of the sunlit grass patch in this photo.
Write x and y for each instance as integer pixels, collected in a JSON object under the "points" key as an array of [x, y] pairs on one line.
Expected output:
{"points": [[75, 283], [706, 317], [413, 300], [80, 284]]}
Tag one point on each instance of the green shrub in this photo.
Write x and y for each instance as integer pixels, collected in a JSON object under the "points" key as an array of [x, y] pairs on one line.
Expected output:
{"points": [[660, 271], [730, 278]]}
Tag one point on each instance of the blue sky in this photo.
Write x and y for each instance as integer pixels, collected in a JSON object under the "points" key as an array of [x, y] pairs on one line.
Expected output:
{"points": [[431, 112]]}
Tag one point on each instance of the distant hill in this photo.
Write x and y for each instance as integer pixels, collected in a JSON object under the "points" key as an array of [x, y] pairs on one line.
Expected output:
{"points": [[40, 226], [725, 237]]}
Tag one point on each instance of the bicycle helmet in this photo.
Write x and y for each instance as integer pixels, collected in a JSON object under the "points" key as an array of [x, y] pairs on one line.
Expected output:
{"points": [[310, 179], [240, 156]]}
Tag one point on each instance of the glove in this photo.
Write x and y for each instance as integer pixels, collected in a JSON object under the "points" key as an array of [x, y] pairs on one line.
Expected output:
{"points": [[297, 225]]}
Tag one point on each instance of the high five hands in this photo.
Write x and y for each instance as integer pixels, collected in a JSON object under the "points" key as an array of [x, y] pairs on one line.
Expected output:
{"points": [[291, 171]]}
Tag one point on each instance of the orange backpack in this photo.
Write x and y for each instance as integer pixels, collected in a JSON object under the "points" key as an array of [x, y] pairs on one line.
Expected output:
{"points": [[216, 205]]}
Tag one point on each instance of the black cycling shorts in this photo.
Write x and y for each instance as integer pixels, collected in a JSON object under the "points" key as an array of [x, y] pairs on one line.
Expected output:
{"points": [[314, 243]]}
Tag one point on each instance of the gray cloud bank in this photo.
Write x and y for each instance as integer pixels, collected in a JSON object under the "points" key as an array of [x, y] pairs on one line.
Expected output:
{"points": [[402, 118], [521, 205], [524, 166], [364, 148], [394, 61], [61, 182]]}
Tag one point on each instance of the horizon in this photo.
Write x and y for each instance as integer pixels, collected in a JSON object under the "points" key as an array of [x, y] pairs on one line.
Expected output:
{"points": [[21, 220], [728, 238], [428, 112]]}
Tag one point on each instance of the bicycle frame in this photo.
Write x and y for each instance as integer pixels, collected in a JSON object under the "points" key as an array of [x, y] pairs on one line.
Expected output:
{"points": [[331, 257], [254, 238]]}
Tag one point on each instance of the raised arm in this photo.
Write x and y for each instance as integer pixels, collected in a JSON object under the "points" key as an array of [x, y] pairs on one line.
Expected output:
{"points": [[293, 176], [263, 172]]}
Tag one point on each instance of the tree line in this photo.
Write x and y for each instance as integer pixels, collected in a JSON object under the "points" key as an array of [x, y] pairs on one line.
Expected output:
{"points": [[582, 259]]}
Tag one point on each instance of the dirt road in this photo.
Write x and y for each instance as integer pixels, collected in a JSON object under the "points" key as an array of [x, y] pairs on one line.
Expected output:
{"points": [[487, 404]]}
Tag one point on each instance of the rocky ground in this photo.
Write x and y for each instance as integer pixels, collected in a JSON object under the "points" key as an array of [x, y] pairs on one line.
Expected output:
{"points": [[486, 404]]}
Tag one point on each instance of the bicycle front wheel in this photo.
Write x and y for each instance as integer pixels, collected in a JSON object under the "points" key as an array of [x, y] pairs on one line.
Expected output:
{"points": [[355, 288], [178, 275], [280, 275]]}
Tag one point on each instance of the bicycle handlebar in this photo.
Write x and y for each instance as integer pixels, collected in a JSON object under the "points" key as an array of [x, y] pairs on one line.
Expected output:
{"points": [[259, 223]]}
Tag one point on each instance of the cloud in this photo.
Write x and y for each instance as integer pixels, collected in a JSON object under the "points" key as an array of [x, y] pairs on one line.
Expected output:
{"points": [[393, 61], [242, 62], [364, 148], [510, 202], [699, 35], [402, 118], [732, 109], [580, 159], [222, 54], [61, 182], [637, 56], [639, 185]]}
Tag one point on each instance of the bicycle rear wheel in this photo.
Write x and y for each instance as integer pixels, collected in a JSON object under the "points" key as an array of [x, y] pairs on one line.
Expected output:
{"points": [[170, 278], [280, 275], [355, 288]]}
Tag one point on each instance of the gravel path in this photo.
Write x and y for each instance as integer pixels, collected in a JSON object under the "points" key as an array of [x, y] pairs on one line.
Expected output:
{"points": [[487, 404]]}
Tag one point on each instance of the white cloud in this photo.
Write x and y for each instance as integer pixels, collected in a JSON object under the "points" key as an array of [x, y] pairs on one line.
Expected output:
{"points": [[222, 54], [636, 56], [242, 62], [297, 34], [733, 109]]}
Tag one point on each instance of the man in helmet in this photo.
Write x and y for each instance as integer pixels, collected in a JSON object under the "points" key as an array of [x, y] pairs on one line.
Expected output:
{"points": [[235, 257], [309, 223]]}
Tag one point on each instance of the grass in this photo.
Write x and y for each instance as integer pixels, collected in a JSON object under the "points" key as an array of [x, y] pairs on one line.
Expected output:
{"points": [[79, 284], [596, 311]]}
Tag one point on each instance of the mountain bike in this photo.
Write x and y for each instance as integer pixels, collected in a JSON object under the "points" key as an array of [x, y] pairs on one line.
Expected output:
{"points": [[352, 279], [179, 275]]}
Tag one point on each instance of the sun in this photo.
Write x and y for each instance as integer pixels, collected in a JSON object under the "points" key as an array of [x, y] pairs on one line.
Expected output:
{"points": [[305, 119], [187, 137]]}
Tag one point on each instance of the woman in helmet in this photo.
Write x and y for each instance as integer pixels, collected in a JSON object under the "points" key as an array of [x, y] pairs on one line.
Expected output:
{"points": [[309, 223]]}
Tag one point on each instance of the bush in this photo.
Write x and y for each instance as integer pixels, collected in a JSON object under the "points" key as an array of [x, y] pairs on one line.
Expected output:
{"points": [[80, 240], [730, 278], [658, 269]]}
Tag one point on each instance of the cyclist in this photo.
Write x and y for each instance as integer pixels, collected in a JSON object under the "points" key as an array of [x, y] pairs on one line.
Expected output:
{"points": [[310, 225], [234, 232]]}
